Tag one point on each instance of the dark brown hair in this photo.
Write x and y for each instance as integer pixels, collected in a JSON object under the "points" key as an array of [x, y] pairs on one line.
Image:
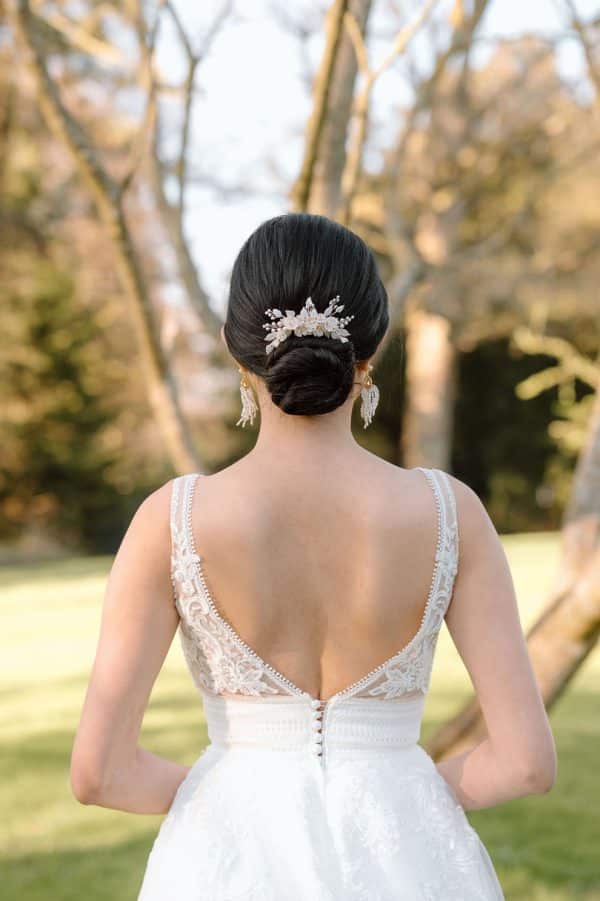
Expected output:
{"points": [[287, 259]]}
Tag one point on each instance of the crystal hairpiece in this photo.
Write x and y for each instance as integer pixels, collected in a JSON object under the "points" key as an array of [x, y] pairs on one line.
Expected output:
{"points": [[307, 322]]}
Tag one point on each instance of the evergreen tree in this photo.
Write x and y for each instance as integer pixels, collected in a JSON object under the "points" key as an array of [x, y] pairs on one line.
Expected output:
{"points": [[53, 414]]}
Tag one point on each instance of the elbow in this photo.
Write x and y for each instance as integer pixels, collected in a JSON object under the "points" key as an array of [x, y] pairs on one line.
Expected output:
{"points": [[544, 782], [84, 789], [85, 784], [539, 777]]}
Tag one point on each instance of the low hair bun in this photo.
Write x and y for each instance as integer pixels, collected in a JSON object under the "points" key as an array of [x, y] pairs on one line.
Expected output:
{"points": [[309, 375], [286, 261]]}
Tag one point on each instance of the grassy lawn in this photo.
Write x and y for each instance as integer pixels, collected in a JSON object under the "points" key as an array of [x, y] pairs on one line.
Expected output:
{"points": [[545, 848]]}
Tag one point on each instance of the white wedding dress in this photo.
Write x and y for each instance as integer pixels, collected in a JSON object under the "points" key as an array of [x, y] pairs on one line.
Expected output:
{"points": [[299, 800]]}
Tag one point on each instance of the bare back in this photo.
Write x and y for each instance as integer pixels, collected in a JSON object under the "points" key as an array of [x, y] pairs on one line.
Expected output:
{"points": [[325, 574], [318, 585]]}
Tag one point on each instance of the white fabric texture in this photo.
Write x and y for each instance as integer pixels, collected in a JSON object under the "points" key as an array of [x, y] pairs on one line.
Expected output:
{"points": [[295, 799]]}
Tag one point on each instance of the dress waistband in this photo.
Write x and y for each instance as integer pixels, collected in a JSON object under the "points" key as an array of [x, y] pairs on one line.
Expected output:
{"points": [[295, 723]]}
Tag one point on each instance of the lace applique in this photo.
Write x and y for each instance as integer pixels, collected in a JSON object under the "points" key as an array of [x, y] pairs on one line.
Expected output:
{"points": [[221, 662], [453, 844], [221, 863], [359, 884], [373, 822], [217, 661], [410, 669]]}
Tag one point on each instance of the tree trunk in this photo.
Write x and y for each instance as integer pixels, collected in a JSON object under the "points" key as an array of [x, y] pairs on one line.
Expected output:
{"points": [[568, 628], [188, 271], [326, 192], [585, 494], [428, 413], [161, 386], [319, 185]]}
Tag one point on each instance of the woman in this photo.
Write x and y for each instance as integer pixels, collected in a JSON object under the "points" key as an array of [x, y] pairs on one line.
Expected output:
{"points": [[296, 575]]}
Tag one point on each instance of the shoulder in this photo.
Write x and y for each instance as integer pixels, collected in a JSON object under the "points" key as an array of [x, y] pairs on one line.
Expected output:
{"points": [[148, 537], [152, 517], [158, 501], [466, 498], [144, 551], [474, 523]]}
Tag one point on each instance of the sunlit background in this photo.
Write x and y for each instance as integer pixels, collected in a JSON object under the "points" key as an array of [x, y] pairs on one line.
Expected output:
{"points": [[140, 144]]}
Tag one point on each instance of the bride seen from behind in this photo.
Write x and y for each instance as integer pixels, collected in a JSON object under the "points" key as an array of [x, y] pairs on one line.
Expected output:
{"points": [[310, 579]]}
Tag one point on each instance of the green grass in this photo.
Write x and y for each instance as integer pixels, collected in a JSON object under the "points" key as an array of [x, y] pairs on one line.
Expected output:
{"points": [[544, 848]]}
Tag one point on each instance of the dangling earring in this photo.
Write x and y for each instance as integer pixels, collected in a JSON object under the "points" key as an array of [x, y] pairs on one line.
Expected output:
{"points": [[249, 405], [369, 399]]}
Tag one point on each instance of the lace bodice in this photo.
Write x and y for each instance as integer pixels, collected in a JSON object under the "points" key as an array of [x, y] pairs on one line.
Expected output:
{"points": [[312, 800], [219, 660]]}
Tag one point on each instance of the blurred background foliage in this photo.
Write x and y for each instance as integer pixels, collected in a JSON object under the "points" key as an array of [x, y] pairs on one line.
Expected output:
{"points": [[81, 446], [79, 451], [475, 180]]}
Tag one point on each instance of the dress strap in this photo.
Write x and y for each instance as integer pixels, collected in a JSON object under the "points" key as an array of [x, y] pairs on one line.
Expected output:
{"points": [[447, 545], [177, 507], [449, 548], [181, 488], [451, 523]]}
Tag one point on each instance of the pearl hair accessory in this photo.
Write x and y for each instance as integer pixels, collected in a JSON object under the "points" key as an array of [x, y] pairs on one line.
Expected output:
{"points": [[307, 322]]}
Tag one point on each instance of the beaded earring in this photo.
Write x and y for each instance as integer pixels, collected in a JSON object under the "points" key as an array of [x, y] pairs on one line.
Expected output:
{"points": [[249, 405], [369, 399]]}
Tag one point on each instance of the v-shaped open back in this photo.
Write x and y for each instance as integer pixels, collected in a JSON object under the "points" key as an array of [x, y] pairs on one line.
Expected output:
{"points": [[307, 800], [221, 662]]}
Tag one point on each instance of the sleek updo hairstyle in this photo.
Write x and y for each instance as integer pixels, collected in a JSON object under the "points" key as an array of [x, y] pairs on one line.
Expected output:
{"points": [[286, 260]]}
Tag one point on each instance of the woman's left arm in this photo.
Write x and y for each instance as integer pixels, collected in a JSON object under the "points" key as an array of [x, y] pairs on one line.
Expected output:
{"points": [[139, 620]]}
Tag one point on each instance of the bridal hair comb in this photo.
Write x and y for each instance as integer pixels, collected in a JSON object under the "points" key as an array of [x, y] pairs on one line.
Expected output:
{"points": [[307, 322]]}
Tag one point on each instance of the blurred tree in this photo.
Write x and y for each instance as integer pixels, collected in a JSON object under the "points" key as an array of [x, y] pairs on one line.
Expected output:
{"points": [[54, 467], [474, 192], [78, 449], [457, 195], [113, 164], [38, 38]]}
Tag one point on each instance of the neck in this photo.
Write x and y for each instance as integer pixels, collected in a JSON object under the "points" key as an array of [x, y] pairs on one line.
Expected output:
{"points": [[286, 439]]}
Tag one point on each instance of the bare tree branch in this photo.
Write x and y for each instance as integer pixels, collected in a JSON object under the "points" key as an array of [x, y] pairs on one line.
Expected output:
{"points": [[572, 364], [82, 39], [370, 76], [161, 386], [148, 83], [171, 213], [214, 28], [182, 161], [301, 190], [180, 29], [301, 26], [397, 232], [194, 57], [581, 30]]}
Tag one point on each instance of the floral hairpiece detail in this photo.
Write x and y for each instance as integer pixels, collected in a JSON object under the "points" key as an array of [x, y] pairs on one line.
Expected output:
{"points": [[307, 322]]}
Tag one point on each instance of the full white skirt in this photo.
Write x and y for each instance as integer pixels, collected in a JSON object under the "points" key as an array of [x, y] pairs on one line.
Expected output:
{"points": [[272, 825]]}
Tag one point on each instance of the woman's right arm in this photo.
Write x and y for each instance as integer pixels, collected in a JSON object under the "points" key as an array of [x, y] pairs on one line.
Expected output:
{"points": [[518, 757]]}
